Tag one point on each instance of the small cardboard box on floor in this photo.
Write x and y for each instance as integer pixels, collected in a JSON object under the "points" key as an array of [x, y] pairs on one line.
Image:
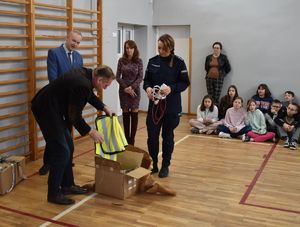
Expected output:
{"points": [[121, 178], [11, 173]]}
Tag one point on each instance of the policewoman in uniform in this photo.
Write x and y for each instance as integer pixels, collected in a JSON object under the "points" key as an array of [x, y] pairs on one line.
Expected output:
{"points": [[169, 72]]}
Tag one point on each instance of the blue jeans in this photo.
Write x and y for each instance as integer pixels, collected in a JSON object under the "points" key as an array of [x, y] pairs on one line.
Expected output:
{"points": [[223, 128]]}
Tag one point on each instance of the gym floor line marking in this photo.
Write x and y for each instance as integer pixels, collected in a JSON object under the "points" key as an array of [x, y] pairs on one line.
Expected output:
{"points": [[76, 205], [58, 216], [257, 175], [89, 197], [254, 181], [36, 216], [216, 137]]}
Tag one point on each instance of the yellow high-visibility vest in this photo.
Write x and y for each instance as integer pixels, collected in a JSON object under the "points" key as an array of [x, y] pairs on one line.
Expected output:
{"points": [[114, 140]]}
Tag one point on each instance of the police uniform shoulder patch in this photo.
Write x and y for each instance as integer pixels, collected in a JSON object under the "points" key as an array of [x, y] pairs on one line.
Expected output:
{"points": [[180, 58], [153, 58]]}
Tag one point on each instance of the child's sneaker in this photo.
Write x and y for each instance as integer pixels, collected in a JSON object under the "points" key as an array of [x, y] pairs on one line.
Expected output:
{"points": [[203, 130], [245, 138], [224, 135], [210, 131], [194, 130], [293, 145], [286, 143]]}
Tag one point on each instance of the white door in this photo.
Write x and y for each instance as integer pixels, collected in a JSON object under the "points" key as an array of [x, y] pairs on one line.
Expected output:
{"points": [[182, 50], [125, 32]]}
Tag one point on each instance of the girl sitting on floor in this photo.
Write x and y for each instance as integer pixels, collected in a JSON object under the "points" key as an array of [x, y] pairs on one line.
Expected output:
{"points": [[207, 117], [256, 119], [234, 121]]}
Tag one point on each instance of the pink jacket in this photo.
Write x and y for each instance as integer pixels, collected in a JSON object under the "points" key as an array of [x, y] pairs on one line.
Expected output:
{"points": [[235, 118]]}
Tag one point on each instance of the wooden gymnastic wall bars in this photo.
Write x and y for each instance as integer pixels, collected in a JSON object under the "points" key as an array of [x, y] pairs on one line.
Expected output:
{"points": [[27, 30]]}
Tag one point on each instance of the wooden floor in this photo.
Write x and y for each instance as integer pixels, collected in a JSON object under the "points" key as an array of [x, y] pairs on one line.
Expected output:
{"points": [[219, 182]]}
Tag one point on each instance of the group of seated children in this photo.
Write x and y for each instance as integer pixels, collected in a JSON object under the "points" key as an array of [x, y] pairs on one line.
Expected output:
{"points": [[263, 120]]}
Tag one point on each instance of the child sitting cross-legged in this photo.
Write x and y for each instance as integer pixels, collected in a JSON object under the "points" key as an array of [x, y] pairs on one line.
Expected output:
{"points": [[271, 115], [289, 125], [207, 117], [234, 121], [255, 118]]}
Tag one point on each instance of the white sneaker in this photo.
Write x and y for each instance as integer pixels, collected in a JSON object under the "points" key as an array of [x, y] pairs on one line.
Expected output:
{"points": [[293, 145], [246, 138], [224, 135], [243, 137]]}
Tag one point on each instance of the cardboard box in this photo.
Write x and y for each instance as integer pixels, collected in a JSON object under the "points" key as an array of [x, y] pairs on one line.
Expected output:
{"points": [[11, 173], [120, 179]]}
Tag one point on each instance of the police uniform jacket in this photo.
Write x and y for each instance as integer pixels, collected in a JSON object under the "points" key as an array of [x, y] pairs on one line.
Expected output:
{"points": [[159, 72]]}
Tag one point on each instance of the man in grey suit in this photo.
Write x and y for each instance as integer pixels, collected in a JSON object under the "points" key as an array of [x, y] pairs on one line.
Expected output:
{"points": [[61, 60]]}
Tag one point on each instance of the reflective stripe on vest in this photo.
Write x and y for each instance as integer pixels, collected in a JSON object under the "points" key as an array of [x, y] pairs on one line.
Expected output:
{"points": [[113, 136]]}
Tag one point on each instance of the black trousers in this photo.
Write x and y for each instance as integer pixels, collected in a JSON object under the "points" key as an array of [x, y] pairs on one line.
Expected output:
{"points": [[46, 156], [168, 123], [60, 150]]}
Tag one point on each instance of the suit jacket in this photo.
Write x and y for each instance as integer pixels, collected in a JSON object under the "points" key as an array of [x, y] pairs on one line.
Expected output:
{"points": [[58, 62], [61, 102]]}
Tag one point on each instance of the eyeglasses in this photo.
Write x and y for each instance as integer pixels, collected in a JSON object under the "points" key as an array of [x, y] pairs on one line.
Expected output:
{"points": [[275, 106]]}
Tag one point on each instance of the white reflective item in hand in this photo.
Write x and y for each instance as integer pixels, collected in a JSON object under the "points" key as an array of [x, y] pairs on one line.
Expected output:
{"points": [[157, 93]]}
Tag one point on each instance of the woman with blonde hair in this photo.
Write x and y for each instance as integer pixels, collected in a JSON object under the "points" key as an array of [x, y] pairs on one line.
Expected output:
{"points": [[165, 78]]}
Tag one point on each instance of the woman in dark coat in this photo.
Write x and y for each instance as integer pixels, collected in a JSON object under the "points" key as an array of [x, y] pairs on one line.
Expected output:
{"points": [[217, 66]]}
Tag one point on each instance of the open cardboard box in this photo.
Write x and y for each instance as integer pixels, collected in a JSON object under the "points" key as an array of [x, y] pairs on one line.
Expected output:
{"points": [[120, 179], [11, 173]]}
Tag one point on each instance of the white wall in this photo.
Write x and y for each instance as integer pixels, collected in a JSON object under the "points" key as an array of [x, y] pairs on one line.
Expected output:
{"points": [[134, 12], [260, 38]]}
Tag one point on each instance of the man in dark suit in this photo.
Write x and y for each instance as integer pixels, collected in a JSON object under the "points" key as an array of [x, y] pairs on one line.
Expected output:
{"points": [[59, 105], [60, 60]]}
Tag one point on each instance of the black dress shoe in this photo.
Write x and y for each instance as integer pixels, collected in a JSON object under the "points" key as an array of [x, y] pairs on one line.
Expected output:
{"points": [[154, 170], [60, 199], [74, 189], [164, 172], [44, 169]]}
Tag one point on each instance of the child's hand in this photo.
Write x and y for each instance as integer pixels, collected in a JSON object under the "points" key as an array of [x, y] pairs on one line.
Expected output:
{"points": [[273, 111], [233, 130], [207, 121], [291, 128]]}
